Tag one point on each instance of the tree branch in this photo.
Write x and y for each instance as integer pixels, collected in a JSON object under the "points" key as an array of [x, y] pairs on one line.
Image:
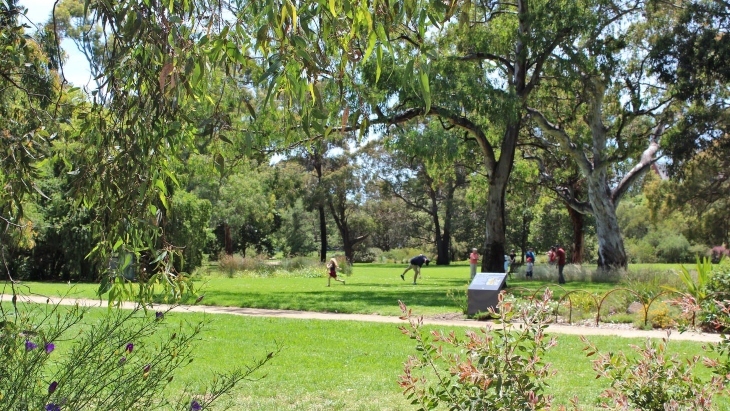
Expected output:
{"points": [[540, 60], [479, 56], [647, 159], [563, 138], [565, 193]]}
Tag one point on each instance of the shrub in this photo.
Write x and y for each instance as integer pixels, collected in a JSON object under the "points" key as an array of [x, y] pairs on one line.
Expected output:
{"points": [[402, 255], [719, 252], [369, 255], [639, 251], [584, 301], [123, 361], [673, 248], [491, 369], [652, 380], [233, 264], [649, 283], [660, 316], [712, 314], [695, 294], [297, 263]]}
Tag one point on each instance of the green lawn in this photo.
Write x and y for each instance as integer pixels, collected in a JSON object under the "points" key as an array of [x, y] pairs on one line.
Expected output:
{"points": [[372, 288], [347, 365]]}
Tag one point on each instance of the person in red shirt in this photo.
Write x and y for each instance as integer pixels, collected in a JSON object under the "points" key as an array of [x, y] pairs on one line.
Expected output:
{"points": [[551, 256], [560, 255], [473, 260]]}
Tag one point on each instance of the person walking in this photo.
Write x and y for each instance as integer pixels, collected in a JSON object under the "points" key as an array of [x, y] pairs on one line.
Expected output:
{"points": [[530, 260], [416, 263], [332, 267], [560, 257], [473, 261]]}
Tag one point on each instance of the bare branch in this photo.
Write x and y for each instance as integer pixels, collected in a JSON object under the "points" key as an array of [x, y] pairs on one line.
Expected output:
{"points": [[648, 157]]}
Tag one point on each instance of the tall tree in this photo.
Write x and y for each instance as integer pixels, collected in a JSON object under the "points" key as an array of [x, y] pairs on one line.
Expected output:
{"points": [[344, 188], [477, 76], [615, 114], [31, 104], [424, 169]]}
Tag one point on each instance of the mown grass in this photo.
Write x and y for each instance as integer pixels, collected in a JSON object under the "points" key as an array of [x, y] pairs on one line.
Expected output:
{"points": [[372, 288], [349, 365]]}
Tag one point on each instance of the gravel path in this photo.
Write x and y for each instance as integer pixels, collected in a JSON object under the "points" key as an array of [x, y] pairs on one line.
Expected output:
{"points": [[610, 330]]}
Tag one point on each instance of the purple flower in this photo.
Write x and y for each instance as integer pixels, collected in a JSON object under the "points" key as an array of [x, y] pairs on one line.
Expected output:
{"points": [[195, 406], [30, 345], [52, 387], [146, 368], [159, 315], [129, 347], [122, 360], [53, 407], [50, 347]]}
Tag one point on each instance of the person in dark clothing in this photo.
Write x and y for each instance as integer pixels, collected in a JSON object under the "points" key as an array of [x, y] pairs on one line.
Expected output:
{"points": [[560, 256], [512, 261], [416, 263]]}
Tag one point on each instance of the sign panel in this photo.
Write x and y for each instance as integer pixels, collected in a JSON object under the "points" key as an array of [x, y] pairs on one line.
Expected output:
{"points": [[483, 292]]}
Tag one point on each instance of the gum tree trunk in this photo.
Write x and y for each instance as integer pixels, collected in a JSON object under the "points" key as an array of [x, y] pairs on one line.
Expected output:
{"points": [[322, 234], [493, 260], [611, 252], [578, 221]]}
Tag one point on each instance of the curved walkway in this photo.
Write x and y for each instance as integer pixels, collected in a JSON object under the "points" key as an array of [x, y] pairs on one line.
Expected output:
{"points": [[309, 315]]}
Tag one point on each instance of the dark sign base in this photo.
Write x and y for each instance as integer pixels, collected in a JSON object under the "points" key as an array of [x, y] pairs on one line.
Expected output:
{"points": [[483, 292]]}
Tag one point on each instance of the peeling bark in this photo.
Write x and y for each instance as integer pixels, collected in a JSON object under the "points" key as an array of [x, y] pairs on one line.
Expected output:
{"points": [[611, 252]]}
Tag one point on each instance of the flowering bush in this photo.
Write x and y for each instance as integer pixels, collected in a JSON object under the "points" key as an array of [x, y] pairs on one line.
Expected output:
{"points": [[653, 380], [123, 361], [496, 369]]}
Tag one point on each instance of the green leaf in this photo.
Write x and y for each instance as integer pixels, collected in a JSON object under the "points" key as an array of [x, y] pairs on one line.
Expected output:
{"points": [[426, 90], [379, 62], [161, 185], [372, 39]]}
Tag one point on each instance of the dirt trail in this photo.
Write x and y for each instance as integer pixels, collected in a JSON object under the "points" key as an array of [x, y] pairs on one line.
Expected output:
{"points": [[308, 315]]}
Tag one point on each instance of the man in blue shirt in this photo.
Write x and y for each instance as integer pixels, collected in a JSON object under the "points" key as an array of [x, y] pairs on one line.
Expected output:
{"points": [[416, 263]]}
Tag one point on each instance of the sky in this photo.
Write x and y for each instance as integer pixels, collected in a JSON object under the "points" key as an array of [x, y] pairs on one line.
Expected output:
{"points": [[75, 69]]}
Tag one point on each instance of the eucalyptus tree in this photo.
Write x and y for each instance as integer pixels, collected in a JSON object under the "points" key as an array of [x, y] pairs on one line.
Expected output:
{"points": [[156, 57], [423, 167], [474, 70], [690, 54], [560, 176], [616, 112], [314, 160], [32, 102], [393, 222], [343, 193]]}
